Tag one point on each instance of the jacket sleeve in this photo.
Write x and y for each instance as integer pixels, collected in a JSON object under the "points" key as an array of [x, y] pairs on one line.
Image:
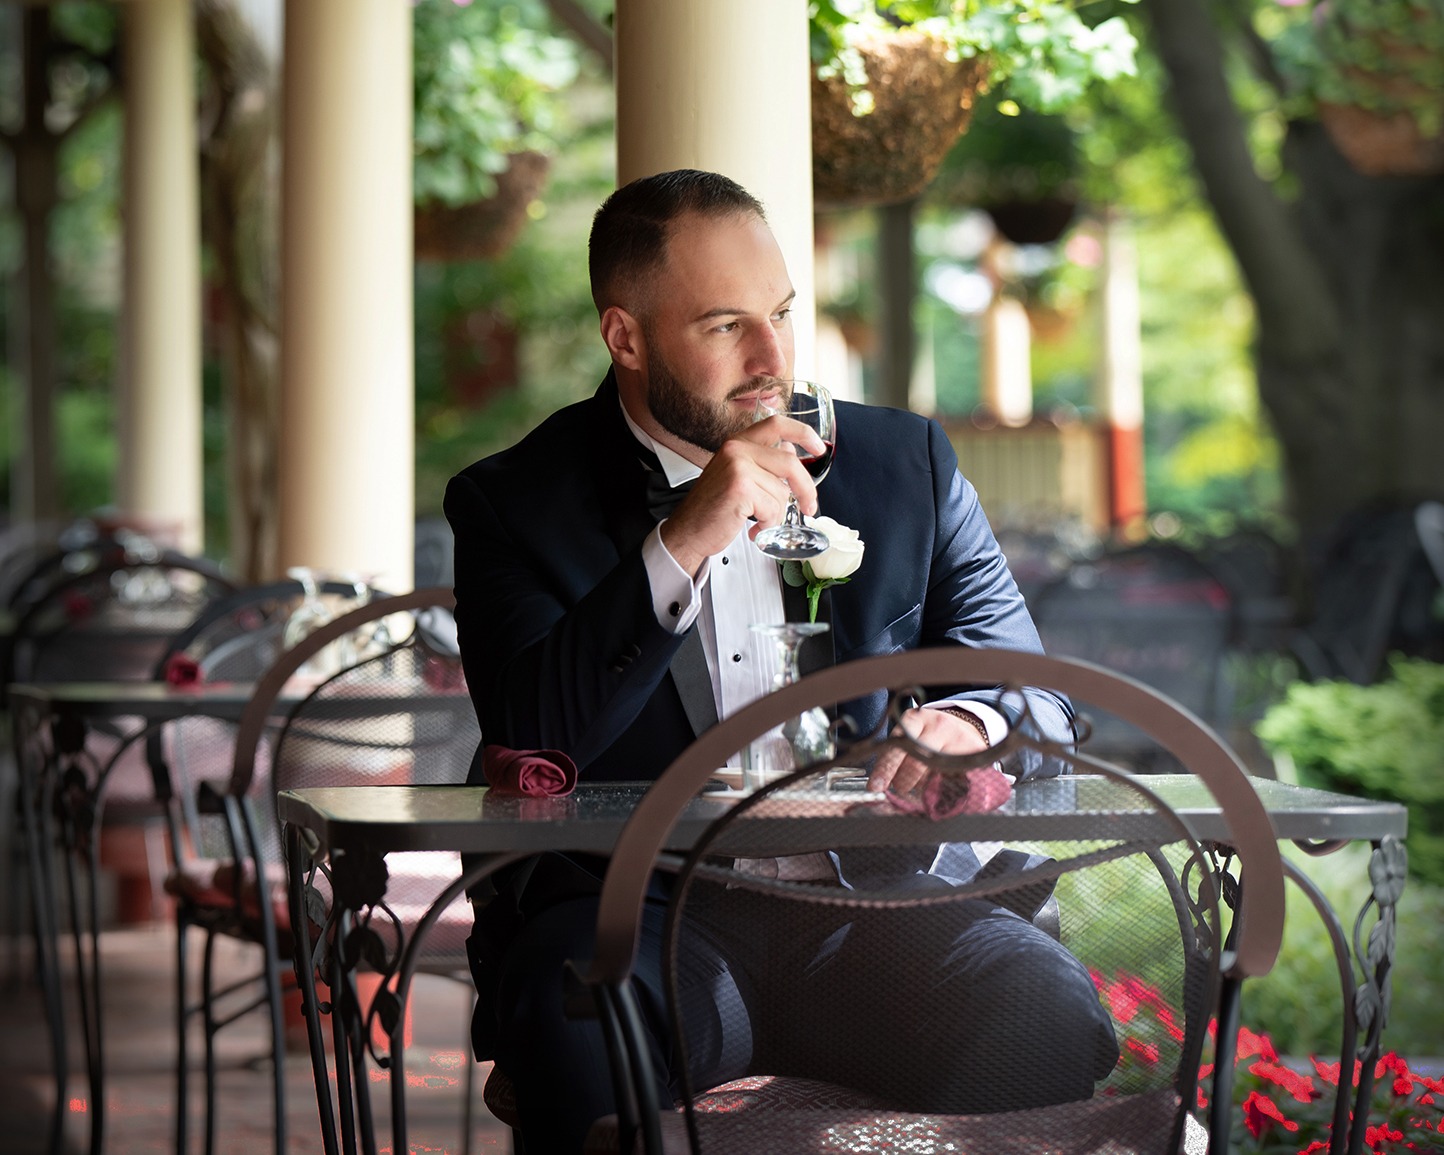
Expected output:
{"points": [[554, 658], [973, 600]]}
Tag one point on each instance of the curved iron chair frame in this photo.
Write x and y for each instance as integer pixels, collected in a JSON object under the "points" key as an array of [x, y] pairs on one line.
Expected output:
{"points": [[183, 818], [350, 1034], [1254, 935], [73, 794]]}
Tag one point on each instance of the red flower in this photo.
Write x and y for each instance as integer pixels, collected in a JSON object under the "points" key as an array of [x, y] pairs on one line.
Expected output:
{"points": [[1148, 1052], [1250, 1044], [182, 670], [1170, 1024], [1329, 1072], [1317, 1147], [1373, 1136], [1260, 1113], [1122, 1002], [1301, 1087]]}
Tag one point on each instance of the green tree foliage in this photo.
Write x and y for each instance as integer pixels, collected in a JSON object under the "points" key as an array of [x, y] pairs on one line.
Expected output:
{"points": [[487, 80], [1382, 741]]}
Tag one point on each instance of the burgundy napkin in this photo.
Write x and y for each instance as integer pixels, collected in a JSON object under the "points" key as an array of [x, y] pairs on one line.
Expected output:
{"points": [[528, 773], [944, 795], [182, 670]]}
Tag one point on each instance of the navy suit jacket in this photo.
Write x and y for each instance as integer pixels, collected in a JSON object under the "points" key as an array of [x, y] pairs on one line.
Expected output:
{"points": [[559, 638]]}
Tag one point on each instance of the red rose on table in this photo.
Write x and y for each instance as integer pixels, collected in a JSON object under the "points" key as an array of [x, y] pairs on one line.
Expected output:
{"points": [[182, 670]]}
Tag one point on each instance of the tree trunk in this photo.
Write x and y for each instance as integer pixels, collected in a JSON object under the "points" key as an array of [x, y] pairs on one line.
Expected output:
{"points": [[1348, 287], [35, 489], [897, 285]]}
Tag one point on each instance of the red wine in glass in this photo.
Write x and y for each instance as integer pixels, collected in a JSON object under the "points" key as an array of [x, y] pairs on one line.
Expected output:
{"points": [[818, 464]]}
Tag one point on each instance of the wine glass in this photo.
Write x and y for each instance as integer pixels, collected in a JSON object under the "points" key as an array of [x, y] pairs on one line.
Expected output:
{"points": [[810, 403], [800, 741]]}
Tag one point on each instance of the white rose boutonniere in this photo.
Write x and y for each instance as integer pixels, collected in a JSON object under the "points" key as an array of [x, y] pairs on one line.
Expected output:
{"points": [[833, 567]]}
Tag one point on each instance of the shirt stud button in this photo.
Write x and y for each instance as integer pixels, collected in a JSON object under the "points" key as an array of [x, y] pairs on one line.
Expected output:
{"points": [[736, 657], [675, 609], [726, 560]]}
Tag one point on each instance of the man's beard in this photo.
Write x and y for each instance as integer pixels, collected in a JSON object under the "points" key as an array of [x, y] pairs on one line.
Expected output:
{"points": [[682, 413]]}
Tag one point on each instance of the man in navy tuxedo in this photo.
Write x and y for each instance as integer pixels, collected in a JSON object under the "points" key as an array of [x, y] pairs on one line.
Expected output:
{"points": [[589, 625]]}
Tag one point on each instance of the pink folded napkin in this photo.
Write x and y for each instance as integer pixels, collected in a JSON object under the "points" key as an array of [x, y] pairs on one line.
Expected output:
{"points": [[182, 670], [944, 795], [528, 773]]}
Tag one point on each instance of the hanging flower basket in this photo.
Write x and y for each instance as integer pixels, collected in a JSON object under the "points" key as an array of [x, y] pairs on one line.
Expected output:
{"points": [[1036, 221], [1381, 102], [482, 229], [922, 103], [1382, 143]]}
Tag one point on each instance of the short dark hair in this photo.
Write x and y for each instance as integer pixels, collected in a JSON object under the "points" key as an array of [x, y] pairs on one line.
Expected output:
{"points": [[629, 232]]}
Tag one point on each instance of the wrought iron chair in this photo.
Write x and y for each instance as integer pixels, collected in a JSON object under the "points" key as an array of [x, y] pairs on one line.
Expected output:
{"points": [[866, 1062], [391, 707], [106, 619], [235, 639]]}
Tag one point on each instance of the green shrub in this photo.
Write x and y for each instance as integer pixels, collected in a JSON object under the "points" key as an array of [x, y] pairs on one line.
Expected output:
{"points": [[1383, 741]]}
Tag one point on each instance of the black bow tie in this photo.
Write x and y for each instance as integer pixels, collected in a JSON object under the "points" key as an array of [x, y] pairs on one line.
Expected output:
{"points": [[662, 498]]}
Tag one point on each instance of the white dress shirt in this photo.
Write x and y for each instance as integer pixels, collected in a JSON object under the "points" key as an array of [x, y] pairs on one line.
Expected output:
{"points": [[733, 589]]}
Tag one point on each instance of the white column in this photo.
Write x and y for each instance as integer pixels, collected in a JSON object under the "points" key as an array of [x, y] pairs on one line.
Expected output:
{"points": [[347, 443], [159, 482], [724, 85], [1007, 385]]}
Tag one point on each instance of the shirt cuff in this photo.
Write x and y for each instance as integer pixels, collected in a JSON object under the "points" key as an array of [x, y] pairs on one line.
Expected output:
{"points": [[676, 595], [992, 720]]}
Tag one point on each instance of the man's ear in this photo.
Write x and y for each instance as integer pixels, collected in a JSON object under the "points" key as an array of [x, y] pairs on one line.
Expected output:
{"points": [[623, 334]]}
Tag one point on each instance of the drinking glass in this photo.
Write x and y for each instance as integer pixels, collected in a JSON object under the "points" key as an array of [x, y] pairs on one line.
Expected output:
{"points": [[810, 403], [800, 741]]}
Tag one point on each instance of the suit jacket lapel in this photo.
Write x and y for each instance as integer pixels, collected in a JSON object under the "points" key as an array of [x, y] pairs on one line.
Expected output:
{"points": [[628, 525], [694, 684]]}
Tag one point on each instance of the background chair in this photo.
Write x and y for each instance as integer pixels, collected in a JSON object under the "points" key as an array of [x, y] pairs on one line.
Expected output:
{"points": [[1140, 906], [1156, 613], [235, 639], [105, 616], [391, 708]]}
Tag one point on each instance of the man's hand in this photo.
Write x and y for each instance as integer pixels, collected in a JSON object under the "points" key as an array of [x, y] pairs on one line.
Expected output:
{"points": [[746, 480], [934, 728]]}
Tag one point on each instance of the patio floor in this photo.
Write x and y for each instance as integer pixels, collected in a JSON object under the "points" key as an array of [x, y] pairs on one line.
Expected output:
{"points": [[140, 1050]]}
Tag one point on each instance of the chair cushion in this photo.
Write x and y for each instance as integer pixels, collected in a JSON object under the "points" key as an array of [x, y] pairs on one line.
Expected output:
{"points": [[210, 885], [1121, 1125]]}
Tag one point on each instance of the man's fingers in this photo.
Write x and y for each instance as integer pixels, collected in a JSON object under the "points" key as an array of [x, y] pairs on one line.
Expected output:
{"points": [[784, 431]]}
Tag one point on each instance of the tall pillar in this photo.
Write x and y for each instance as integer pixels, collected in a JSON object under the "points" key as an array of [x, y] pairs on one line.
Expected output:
{"points": [[724, 85], [1120, 380], [347, 443], [1007, 370], [159, 482]]}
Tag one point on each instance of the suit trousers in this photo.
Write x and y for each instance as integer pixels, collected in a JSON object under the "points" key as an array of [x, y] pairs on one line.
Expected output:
{"points": [[971, 1009]]}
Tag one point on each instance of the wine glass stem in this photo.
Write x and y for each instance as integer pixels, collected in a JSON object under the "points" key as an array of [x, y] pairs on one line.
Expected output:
{"points": [[787, 647], [793, 516]]}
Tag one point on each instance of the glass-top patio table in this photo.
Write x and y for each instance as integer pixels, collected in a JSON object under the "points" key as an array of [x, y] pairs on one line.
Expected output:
{"points": [[355, 827]]}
